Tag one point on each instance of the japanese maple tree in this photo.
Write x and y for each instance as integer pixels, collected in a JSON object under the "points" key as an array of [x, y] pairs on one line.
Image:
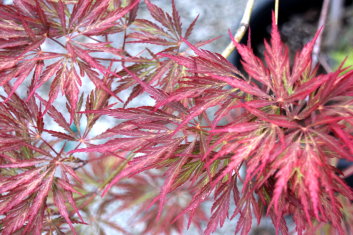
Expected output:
{"points": [[254, 143]]}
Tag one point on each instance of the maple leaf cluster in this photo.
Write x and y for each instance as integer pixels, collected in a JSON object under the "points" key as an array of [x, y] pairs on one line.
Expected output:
{"points": [[264, 140]]}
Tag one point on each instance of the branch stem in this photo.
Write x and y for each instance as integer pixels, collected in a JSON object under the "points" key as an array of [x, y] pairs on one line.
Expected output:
{"points": [[322, 20], [239, 34], [276, 10]]}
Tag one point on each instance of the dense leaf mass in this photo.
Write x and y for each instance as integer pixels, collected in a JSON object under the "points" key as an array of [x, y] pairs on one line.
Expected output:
{"points": [[263, 142]]}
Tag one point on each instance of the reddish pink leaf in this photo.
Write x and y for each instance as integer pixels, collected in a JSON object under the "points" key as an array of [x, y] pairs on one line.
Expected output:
{"points": [[59, 200], [239, 127], [24, 163]]}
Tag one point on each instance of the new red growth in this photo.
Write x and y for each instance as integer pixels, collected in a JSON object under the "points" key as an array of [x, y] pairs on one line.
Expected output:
{"points": [[265, 141]]}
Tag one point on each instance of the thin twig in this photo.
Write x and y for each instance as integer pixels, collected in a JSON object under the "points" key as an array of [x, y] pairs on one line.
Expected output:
{"points": [[244, 24], [276, 10], [322, 20]]}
